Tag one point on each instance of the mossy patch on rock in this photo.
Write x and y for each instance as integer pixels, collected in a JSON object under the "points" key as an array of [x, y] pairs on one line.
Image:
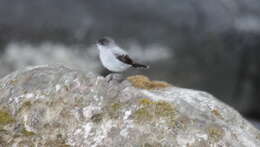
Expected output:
{"points": [[60, 141], [164, 109], [151, 145], [56, 143], [5, 118], [143, 115], [2, 130], [217, 113], [116, 106], [215, 133], [140, 81], [151, 110], [146, 101], [200, 143], [27, 133], [114, 110], [25, 143]]}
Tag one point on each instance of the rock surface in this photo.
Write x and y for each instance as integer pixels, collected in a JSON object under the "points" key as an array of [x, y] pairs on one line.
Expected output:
{"points": [[57, 106]]}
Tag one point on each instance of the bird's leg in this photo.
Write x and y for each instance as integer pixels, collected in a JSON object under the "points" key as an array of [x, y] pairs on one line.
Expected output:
{"points": [[114, 77]]}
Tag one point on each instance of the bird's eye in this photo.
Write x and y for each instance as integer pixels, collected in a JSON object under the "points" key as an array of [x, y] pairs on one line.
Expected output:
{"points": [[103, 41]]}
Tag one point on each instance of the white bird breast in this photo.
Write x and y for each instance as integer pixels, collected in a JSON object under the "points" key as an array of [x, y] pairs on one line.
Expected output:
{"points": [[109, 60]]}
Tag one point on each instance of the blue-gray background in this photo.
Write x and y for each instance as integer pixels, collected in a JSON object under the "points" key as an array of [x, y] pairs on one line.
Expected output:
{"points": [[211, 45]]}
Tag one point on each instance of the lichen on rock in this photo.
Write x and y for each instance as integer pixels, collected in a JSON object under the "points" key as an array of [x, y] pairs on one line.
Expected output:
{"points": [[215, 133], [27, 133], [5, 118], [58, 106], [140, 81], [150, 111]]}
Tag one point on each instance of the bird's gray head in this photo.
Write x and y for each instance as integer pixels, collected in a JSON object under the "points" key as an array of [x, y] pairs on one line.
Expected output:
{"points": [[105, 41]]}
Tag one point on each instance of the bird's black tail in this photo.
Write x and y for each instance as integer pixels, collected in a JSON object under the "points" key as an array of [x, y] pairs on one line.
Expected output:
{"points": [[137, 65]]}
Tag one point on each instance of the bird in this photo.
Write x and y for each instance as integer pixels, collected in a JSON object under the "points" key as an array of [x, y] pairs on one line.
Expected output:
{"points": [[113, 57]]}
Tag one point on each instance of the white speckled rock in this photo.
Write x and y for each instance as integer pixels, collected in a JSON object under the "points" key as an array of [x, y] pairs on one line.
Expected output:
{"points": [[57, 106]]}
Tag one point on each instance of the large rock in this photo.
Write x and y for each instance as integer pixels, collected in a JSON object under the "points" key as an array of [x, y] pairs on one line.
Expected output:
{"points": [[57, 106]]}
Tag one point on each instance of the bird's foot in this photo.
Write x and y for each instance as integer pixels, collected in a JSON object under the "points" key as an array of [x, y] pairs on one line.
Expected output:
{"points": [[114, 77]]}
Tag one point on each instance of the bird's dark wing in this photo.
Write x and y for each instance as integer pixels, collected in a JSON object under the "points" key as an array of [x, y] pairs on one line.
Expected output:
{"points": [[125, 59]]}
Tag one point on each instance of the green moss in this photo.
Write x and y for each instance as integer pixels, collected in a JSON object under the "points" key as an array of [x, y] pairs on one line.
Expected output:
{"points": [[114, 110], [2, 130], [215, 133], [150, 110], [164, 109], [55, 143], [217, 113], [116, 106], [140, 81], [151, 145], [13, 82], [146, 101], [26, 143], [143, 115], [5, 118], [27, 133]]}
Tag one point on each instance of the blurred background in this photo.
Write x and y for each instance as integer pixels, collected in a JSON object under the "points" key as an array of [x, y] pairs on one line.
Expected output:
{"points": [[208, 45]]}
